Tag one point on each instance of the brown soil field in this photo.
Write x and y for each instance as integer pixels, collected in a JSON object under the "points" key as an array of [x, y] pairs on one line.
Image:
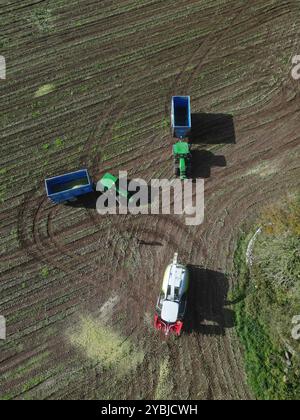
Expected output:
{"points": [[89, 84]]}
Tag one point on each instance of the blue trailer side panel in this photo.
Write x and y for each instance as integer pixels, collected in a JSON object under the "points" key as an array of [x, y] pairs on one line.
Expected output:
{"points": [[68, 186], [181, 116]]}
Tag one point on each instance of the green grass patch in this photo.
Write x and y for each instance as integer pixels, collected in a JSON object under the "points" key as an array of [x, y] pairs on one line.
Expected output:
{"points": [[46, 146], [45, 272], [36, 114], [2, 196], [41, 19], [58, 143], [3, 171], [44, 90], [164, 386], [102, 345]]}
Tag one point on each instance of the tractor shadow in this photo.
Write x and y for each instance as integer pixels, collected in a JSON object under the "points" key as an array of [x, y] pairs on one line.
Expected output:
{"points": [[212, 129], [86, 201], [207, 311], [203, 161], [89, 201]]}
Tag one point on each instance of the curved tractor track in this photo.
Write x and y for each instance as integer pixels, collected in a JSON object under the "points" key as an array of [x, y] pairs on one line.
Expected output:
{"points": [[67, 261]]}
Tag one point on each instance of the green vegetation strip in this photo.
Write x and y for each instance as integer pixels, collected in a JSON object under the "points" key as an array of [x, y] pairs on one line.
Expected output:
{"points": [[269, 299]]}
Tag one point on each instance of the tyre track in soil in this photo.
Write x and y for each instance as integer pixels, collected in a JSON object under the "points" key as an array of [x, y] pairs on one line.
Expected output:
{"points": [[38, 71], [105, 141], [51, 257], [113, 121], [215, 391], [108, 132], [205, 347], [50, 250], [208, 44], [233, 364], [138, 300], [217, 248], [208, 394]]}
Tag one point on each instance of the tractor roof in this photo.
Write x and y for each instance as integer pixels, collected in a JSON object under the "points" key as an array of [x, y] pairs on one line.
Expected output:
{"points": [[175, 285], [170, 311], [181, 148], [109, 181]]}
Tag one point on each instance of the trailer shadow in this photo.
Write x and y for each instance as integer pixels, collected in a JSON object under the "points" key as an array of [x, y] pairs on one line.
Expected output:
{"points": [[207, 313], [212, 129], [203, 161], [89, 201]]}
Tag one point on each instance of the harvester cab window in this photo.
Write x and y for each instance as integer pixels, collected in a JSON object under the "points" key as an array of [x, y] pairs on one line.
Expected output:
{"points": [[182, 305], [176, 294]]}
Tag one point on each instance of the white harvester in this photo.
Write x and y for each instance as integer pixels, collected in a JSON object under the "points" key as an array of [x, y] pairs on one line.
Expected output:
{"points": [[172, 301]]}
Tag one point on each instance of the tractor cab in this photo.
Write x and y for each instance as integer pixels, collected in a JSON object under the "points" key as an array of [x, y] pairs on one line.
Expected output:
{"points": [[182, 159], [110, 182], [172, 301]]}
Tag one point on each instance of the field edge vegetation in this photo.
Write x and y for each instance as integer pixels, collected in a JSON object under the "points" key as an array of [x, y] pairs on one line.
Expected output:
{"points": [[267, 297]]}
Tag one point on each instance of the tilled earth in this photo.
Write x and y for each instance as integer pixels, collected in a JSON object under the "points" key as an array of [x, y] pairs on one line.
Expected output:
{"points": [[111, 69]]}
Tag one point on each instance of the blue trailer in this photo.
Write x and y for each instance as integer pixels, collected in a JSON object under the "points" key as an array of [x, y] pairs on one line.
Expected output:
{"points": [[68, 187], [181, 116]]}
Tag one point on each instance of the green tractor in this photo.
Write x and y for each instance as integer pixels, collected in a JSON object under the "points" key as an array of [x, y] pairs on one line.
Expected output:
{"points": [[183, 159], [111, 182]]}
